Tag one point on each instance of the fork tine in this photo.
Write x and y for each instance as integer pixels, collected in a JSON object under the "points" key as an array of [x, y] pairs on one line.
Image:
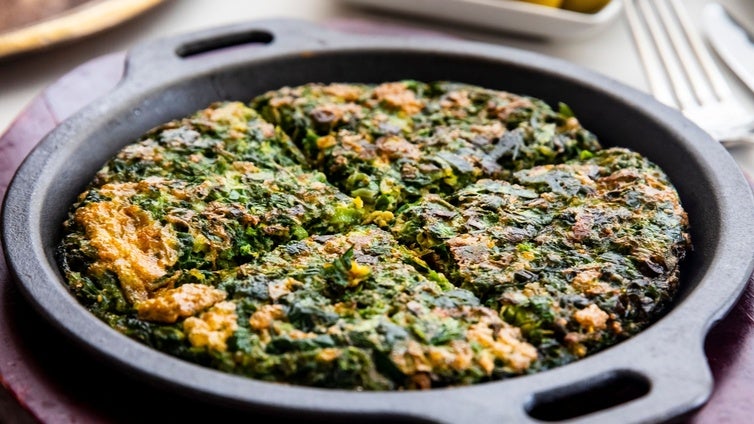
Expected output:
{"points": [[719, 86], [687, 63], [667, 53], [682, 39], [652, 68], [669, 57], [681, 72]]}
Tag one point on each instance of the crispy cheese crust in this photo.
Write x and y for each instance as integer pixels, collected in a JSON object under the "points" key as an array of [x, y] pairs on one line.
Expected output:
{"points": [[405, 235]]}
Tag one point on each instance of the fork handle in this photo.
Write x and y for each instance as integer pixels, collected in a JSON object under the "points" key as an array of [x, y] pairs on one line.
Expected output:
{"points": [[738, 140]]}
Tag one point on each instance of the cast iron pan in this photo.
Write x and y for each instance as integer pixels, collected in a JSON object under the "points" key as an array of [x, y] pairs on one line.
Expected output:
{"points": [[659, 375]]}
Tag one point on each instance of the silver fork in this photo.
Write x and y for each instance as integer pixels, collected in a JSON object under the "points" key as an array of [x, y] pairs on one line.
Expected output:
{"points": [[681, 72]]}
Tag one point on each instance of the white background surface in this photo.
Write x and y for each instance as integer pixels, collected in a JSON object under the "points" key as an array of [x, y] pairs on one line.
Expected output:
{"points": [[610, 52]]}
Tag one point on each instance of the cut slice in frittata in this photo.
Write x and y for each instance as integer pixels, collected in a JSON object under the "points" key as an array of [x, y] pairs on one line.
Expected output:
{"points": [[394, 142], [209, 192], [225, 135], [578, 255], [353, 311]]}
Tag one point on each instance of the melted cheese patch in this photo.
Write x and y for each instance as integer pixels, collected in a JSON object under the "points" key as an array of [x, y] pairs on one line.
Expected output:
{"points": [[498, 341], [398, 96], [265, 315], [233, 114], [346, 92], [213, 327], [503, 343], [187, 300], [280, 288], [129, 243], [592, 318]]}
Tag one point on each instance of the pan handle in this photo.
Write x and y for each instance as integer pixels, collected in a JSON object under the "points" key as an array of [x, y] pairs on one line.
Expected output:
{"points": [[630, 395], [647, 385], [168, 59], [654, 383]]}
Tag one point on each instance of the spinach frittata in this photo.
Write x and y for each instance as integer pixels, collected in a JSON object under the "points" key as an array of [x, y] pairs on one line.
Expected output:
{"points": [[404, 235]]}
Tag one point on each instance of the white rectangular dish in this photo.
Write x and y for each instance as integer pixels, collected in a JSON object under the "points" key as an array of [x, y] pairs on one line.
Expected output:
{"points": [[506, 15]]}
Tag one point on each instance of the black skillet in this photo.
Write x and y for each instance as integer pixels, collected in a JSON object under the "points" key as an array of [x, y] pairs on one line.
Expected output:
{"points": [[659, 375]]}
